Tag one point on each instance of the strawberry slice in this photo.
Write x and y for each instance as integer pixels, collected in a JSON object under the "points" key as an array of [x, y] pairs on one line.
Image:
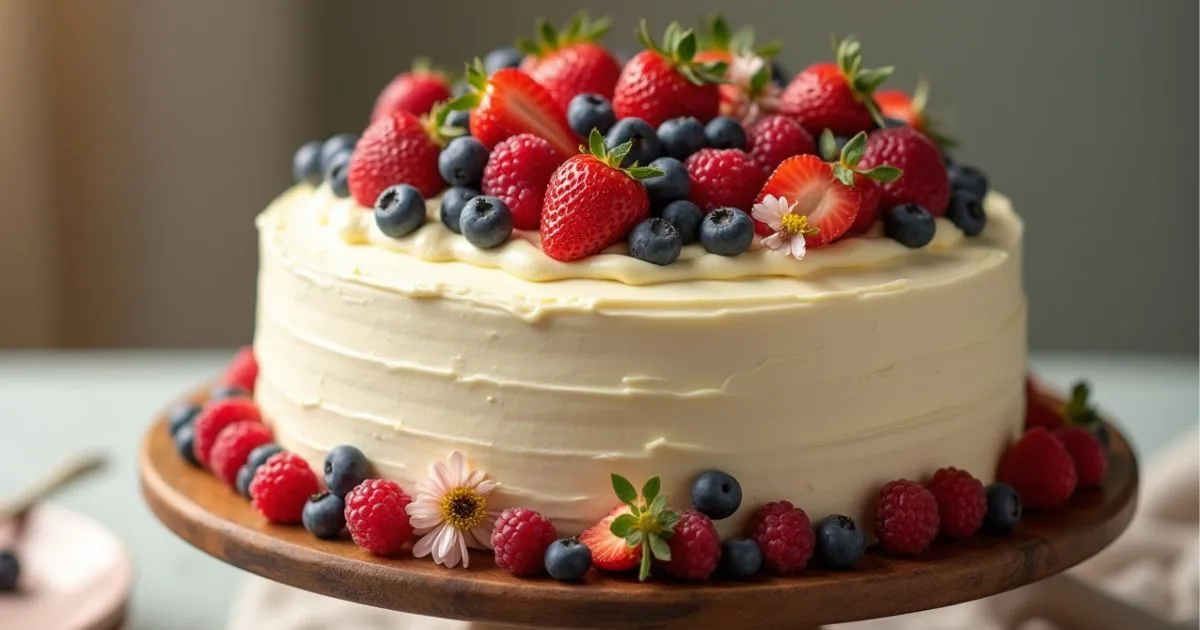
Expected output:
{"points": [[510, 102], [609, 551], [807, 182]]}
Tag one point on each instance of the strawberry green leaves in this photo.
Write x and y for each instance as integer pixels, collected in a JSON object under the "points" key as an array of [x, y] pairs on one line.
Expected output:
{"points": [[580, 28], [649, 523], [845, 162], [863, 81], [1078, 410], [679, 48], [613, 158]]}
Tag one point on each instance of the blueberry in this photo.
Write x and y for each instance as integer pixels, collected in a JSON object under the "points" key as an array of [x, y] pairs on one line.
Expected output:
{"points": [[453, 201], [184, 438], [460, 118], [345, 468], [324, 516], [1102, 434], [671, 185], [181, 414], [222, 392], [10, 570], [245, 475], [588, 111], [967, 213], [1003, 509], [969, 179], [740, 558], [338, 174], [778, 74], [716, 494], [306, 163], [681, 137], [461, 162], [486, 221], [341, 143], [840, 542], [568, 559], [646, 147], [724, 132], [948, 160], [261, 454], [686, 216], [726, 231], [909, 224], [501, 58], [400, 210], [893, 122], [655, 241]]}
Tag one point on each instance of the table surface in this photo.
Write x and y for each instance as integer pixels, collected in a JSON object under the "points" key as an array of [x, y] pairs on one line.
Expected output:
{"points": [[56, 403]]}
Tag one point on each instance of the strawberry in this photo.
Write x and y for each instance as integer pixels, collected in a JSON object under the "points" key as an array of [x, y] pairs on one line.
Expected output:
{"points": [[510, 102], [869, 191], [415, 92], [609, 551], [836, 96], [570, 62], [925, 180], [776, 138], [399, 148], [723, 178], [748, 92], [666, 82], [910, 110], [592, 203], [517, 172]]}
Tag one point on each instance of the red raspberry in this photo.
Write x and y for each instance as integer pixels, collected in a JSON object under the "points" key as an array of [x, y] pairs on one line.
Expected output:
{"points": [[233, 446], [520, 539], [695, 547], [1088, 454], [281, 487], [774, 139], [724, 178], [242, 370], [217, 415], [906, 518], [376, 516], [517, 172], [784, 535], [961, 500], [1039, 468]]}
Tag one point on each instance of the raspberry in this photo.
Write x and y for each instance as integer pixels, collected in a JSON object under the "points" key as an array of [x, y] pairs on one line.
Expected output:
{"points": [[1039, 468], [242, 370], [774, 139], [520, 540], [784, 535], [724, 178], [961, 500], [1087, 453], [695, 547], [906, 518], [215, 416], [376, 517], [517, 172], [233, 447], [282, 486]]}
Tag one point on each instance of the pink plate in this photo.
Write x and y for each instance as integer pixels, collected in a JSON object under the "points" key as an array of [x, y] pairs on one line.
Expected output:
{"points": [[75, 574]]}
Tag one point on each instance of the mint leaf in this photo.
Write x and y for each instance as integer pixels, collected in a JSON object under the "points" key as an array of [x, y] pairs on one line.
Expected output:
{"points": [[625, 491]]}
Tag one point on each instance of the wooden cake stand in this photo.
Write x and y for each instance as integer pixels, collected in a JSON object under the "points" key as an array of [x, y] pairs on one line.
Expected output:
{"points": [[210, 516]]}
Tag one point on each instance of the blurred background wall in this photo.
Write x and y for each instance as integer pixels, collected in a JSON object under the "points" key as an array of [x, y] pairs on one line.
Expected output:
{"points": [[141, 137]]}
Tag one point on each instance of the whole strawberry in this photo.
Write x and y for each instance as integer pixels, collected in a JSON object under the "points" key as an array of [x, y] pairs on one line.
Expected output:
{"points": [[398, 148], [776, 138], [1087, 453], [925, 181], [666, 82], [961, 500], [836, 96], [510, 102], [1039, 468], [723, 178], [910, 110], [570, 62], [592, 203], [415, 92], [517, 172]]}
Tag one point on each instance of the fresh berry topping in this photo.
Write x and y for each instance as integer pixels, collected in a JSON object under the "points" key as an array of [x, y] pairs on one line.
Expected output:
{"points": [[215, 416], [906, 518], [1003, 509], [900, 109], [233, 447], [570, 62], [967, 213], [261, 454], [695, 547], [869, 196], [1040, 469], [774, 139], [726, 232], [924, 182], [723, 178], [910, 225], [646, 146], [461, 162], [666, 82], [655, 241], [784, 536], [510, 102], [651, 528], [181, 414], [486, 222], [1042, 409], [415, 92], [740, 558], [338, 175], [672, 185], [10, 571], [501, 58], [969, 179], [345, 467], [724, 132], [376, 516], [681, 137], [836, 96], [453, 201], [185, 440], [568, 559], [590, 111], [591, 203], [221, 392], [306, 163], [520, 540], [517, 172], [716, 494], [459, 119], [1087, 453], [961, 502], [397, 149], [334, 146], [242, 370], [281, 487], [324, 515], [686, 217], [609, 551], [245, 475], [840, 542], [400, 210]]}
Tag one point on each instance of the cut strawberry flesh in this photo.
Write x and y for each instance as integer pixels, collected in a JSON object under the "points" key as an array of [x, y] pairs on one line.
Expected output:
{"points": [[536, 113], [808, 184], [609, 552]]}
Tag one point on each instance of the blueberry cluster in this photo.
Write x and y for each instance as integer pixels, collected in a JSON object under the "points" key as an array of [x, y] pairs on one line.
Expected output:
{"points": [[913, 226], [318, 161]]}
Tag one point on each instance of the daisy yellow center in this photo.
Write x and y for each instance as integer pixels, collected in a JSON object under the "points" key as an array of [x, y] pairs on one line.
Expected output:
{"points": [[464, 508], [793, 224]]}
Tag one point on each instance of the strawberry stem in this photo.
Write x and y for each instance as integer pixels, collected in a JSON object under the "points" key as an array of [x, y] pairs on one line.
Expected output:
{"points": [[613, 157], [863, 81], [679, 49], [648, 525], [580, 28], [845, 167]]}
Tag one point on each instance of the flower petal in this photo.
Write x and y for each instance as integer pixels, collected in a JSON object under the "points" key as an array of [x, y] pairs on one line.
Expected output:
{"points": [[767, 211], [445, 541], [777, 241], [424, 545], [799, 247], [425, 522], [462, 551], [481, 537], [459, 471], [485, 487], [441, 477]]}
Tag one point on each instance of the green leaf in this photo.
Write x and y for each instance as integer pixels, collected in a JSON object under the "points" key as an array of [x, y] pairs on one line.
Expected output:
{"points": [[883, 173], [644, 172], [616, 155], [865, 81], [574, 27], [770, 49], [852, 153], [625, 491], [477, 75], [623, 525], [635, 510], [596, 143], [644, 570], [643, 35], [720, 31], [671, 38], [659, 547], [843, 174], [547, 34], [668, 518], [658, 505], [760, 79], [462, 103], [742, 41], [650, 489], [528, 47], [635, 539], [828, 145], [598, 29], [687, 46]]}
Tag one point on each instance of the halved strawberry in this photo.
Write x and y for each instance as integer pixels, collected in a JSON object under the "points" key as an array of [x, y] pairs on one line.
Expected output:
{"points": [[510, 102], [570, 62], [609, 551]]}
